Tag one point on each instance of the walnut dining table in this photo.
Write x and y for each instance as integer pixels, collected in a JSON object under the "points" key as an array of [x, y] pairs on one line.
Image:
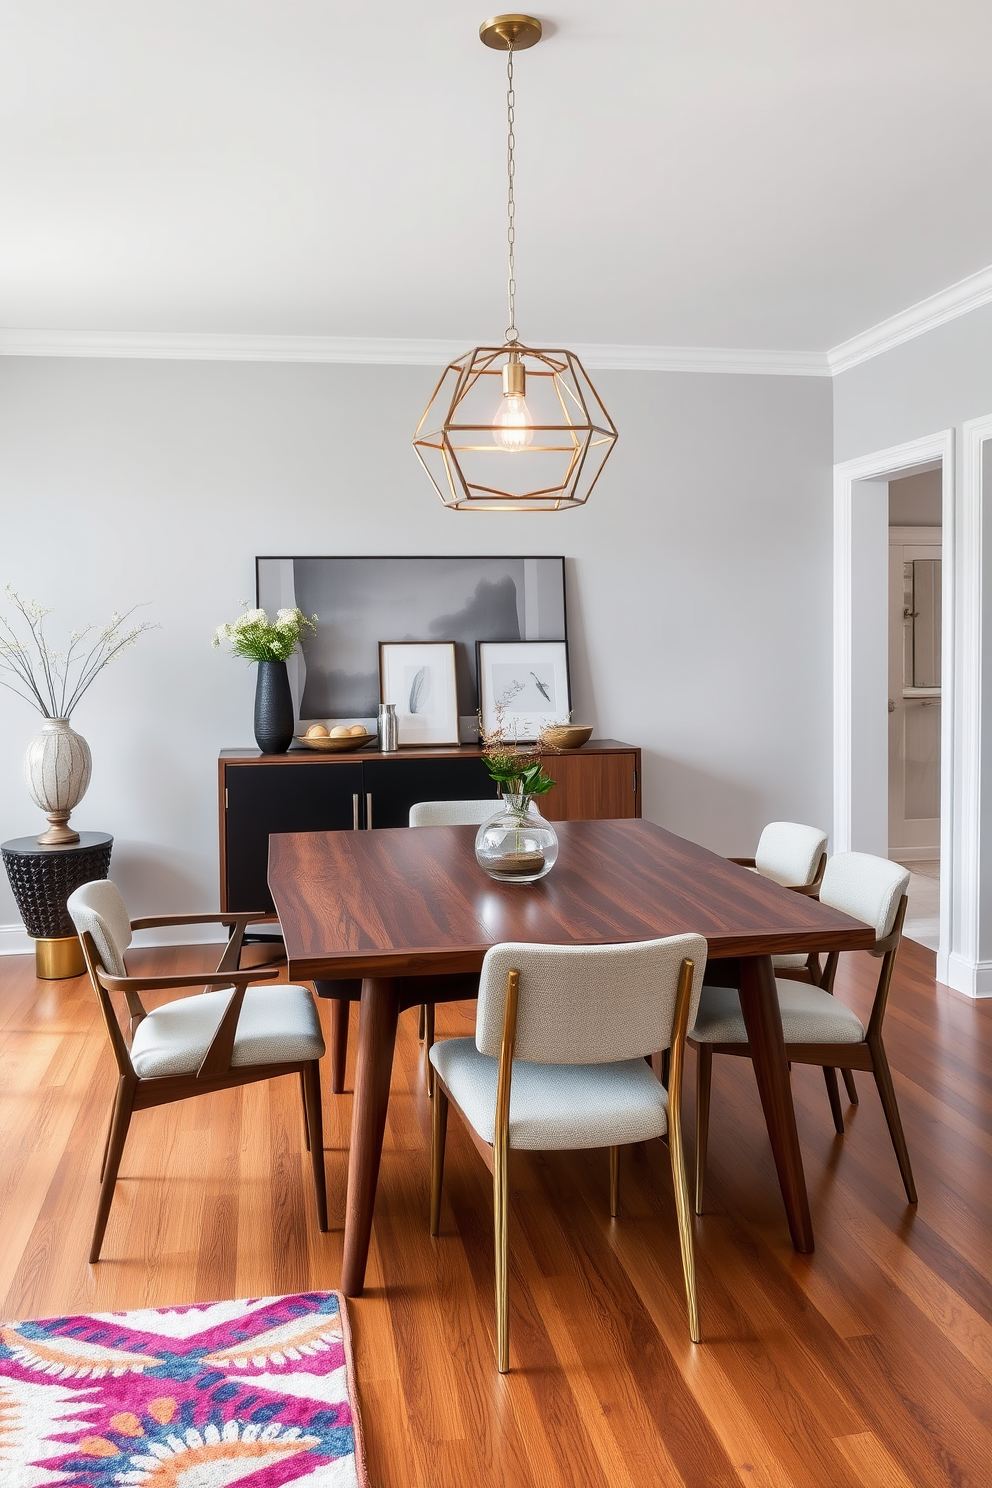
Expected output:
{"points": [[400, 907]]}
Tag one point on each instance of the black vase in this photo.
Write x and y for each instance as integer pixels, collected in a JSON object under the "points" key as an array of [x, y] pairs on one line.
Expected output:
{"points": [[273, 708]]}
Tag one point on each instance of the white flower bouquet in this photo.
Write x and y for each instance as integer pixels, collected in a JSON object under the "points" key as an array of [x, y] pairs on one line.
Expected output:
{"points": [[257, 638]]}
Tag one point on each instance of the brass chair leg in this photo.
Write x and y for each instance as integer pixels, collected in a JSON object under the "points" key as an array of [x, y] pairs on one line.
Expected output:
{"points": [[887, 1095], [704, 1083], [852, 1089], [439, 1129], [315, 1126], [614, 1182], [684, 1210], [306, 1117], [123, 1106], [833, 1095], [501, 1199]]}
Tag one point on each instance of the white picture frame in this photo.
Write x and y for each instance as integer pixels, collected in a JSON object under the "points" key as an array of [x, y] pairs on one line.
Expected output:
{"points": [[530, 680], [419, 678]]}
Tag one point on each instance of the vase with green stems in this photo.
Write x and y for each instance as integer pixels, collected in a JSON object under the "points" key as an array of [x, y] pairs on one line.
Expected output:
{"points": [[517, 845], [269, 643]]}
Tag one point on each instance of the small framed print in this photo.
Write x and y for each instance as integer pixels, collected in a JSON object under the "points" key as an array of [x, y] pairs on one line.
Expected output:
{"points": [[419, 677], [528, 681]]}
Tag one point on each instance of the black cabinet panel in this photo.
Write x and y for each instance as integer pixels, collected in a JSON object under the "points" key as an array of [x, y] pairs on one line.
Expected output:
{"points": [[281, 798], [396, 784]]}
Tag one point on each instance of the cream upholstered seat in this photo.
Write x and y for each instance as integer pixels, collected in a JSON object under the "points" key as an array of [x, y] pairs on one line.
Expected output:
{"points": [[233, 1035], [548, 1071], [447, 814], [794, 856], [818, 1028]]}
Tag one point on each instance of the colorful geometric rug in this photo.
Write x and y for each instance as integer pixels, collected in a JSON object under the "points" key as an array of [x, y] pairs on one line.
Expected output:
{"points": [[259, 1393]]}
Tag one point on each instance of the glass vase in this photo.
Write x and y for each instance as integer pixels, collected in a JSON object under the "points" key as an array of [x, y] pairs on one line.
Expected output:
{"points": [[517, 845]]}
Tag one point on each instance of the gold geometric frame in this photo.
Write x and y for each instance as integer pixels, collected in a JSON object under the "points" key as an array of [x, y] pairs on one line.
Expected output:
{"points": [[572, 433]]}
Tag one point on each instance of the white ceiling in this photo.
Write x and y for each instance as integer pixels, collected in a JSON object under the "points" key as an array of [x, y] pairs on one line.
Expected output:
{"points": [[777, 173]]}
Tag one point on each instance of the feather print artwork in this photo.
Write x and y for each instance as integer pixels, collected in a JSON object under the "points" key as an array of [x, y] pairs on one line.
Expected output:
{"points": [[420, 690]]}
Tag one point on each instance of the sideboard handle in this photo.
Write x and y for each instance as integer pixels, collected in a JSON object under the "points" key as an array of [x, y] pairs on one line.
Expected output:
{"points": [[354, 811], [368, 811]]}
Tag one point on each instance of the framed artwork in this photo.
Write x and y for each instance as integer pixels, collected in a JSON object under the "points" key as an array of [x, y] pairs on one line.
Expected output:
{"points": [[529, 679], [419, 677]]}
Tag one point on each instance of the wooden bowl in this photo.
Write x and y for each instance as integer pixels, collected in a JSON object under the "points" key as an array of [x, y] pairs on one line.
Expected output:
{"points": [[335, 746], [568, 735]]}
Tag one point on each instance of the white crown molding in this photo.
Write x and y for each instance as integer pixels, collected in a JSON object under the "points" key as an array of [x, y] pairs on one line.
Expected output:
{"points": [[958, 299], [376, 351]]}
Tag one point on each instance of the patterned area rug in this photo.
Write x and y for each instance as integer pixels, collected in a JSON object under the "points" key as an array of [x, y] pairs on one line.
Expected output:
{"points": [[259, 1393]]}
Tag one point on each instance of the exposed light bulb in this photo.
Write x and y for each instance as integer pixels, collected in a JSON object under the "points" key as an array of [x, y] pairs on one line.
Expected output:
{"points": [[513, 427]]}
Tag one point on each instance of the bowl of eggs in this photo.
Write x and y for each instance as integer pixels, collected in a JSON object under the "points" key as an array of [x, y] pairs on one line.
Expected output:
{"points": [[336, 740]]}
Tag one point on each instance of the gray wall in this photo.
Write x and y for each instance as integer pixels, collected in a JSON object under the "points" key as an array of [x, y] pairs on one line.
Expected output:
{"points": [[699, 577]]}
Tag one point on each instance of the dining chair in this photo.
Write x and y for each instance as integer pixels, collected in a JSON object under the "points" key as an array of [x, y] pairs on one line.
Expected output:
{"points": [[445, 814], [233, 1035], [819, 1029], [794, 856], [549, 1071]]}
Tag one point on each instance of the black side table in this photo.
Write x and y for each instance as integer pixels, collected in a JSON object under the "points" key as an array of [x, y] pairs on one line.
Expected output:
{"points": [[42, 878]]}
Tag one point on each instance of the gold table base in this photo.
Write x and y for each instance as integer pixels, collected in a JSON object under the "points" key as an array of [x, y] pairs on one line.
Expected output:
{"points": [[58, 957]]}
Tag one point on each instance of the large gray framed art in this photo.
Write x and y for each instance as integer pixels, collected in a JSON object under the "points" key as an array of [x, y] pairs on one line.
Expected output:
{"points": [[360, 601]]}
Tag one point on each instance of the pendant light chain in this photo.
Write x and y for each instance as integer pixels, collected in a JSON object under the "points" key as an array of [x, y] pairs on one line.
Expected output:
{"points": [[511, 206]]}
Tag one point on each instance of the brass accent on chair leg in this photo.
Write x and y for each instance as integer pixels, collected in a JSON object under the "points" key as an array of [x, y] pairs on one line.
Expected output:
{"points": [[439, 1130], [704, 1085], [501, 1193], [852, 1089], [675, 1147], [833, 1095], [123, 1107], [614, 1182]]}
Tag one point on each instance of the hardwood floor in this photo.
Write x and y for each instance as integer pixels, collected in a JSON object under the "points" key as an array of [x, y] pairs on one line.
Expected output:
{"points": [[865, 1365]]}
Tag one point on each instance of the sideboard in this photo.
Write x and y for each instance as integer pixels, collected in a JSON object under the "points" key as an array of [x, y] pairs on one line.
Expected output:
{"points": [[304, 791]]}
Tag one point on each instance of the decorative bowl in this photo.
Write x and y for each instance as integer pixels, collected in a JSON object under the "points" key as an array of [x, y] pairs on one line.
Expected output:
{"points": [[568, 735], [335, 746]]}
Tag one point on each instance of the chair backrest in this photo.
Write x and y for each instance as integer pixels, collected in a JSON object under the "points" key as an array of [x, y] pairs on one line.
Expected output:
{"points": [[587, 1004], [866, 887], [452, 813], [97, 907], [790, 853]]}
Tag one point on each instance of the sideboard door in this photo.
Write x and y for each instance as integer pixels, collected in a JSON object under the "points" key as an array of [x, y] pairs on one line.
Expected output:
{"points": [[393, 785], [591, 787], [318, 797]]}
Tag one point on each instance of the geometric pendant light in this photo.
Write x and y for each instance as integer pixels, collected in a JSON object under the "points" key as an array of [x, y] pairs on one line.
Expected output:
{"points": [[514, 427]]}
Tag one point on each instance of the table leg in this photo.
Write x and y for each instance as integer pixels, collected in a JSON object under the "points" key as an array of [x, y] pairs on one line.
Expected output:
{"points": [[759, 1004], [376, 1040], [340, 1011]]}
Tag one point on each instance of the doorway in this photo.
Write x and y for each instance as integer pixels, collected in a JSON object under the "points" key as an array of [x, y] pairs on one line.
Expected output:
{"points": [[914, 701]]}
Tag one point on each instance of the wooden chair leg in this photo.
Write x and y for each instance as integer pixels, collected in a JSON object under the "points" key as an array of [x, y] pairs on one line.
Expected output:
{"points": [[315, 1124], [887, 1095], [614, 1182], [704, 1081], [306, 1117], [439, 1131], [427, 1016], [422, 1021], [110, 1128], [833, 1095], [852, 1089], [123, 1106], [501, 1200], [340, 1011]]}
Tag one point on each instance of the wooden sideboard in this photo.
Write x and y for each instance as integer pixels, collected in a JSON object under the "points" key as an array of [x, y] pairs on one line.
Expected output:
{"points": [[308, 792]]}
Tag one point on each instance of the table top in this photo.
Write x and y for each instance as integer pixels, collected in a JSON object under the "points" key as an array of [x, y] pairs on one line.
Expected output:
{"points": [[25, 845], [413, 901]]}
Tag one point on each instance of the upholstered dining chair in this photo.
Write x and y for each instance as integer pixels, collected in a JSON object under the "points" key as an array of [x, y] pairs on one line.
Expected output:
{"points": [[794, 856], [548, 1070], [818, 1028], [446, 814], [232, 1035]]}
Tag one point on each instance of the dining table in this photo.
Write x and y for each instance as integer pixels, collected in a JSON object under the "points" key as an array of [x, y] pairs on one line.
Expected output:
{"points": [[410, 912]]}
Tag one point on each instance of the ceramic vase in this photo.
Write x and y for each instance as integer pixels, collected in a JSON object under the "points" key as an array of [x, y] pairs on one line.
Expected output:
{"points": [[517, 845], [273, 708], [57, 770]]}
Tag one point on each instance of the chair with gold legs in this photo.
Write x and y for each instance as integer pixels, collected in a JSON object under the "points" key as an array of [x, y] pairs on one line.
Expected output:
{"points": [[229, 1034], [558, 1063]]}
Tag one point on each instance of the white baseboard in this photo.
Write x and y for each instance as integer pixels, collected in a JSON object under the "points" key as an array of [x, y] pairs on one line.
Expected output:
{"points": [[973, 978], [15, 941]]}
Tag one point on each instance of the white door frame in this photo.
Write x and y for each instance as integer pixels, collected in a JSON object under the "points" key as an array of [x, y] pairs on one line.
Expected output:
{"points": [[849, 766]]}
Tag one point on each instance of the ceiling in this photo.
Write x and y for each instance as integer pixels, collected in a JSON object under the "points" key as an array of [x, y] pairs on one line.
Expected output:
{"points": [[776, 174]]}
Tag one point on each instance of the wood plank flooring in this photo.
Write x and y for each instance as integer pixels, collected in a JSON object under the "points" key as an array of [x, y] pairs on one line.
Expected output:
{"points": [[865, 1365]]}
